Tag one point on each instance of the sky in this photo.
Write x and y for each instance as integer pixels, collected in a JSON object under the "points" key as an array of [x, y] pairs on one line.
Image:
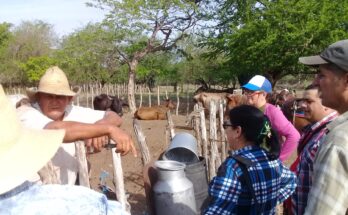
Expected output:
{"points": [[65, 15]]}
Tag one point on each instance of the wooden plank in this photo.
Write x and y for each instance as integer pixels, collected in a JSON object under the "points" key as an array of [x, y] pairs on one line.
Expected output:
{"points": [[222, 131], [145, 153], [82, 163], [119, 181], [170, 124], [48, 174]]}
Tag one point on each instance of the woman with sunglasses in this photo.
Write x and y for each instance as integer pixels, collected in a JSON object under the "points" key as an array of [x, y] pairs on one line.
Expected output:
{"points": [[252, 180]]}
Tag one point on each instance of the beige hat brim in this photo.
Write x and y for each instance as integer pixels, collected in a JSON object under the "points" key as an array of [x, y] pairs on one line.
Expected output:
{"points": [[23, 151], [32, 150], [31, 92], [312, 60]]}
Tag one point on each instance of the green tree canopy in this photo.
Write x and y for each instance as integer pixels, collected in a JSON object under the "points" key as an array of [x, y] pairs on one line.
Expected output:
{"points": [[268, 37]]}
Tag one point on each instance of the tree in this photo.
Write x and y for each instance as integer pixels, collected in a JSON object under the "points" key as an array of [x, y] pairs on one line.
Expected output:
{"points": [[88, 55], [35, 67], [147, 26], [29, 39], [268, 37], [5, 37]]}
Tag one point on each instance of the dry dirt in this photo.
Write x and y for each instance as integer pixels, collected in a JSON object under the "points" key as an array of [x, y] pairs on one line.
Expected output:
{"points": [[154, 131]]}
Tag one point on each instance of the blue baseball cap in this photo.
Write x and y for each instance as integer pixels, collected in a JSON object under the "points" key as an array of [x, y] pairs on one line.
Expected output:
{"points": [[259, 82]]}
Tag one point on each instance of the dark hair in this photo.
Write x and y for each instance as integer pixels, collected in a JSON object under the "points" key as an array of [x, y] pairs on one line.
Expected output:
{"points": [[256, 128], [333, 67]]}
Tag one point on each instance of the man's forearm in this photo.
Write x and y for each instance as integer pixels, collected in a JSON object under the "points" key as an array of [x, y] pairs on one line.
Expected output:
{"points": [[79, 131], [112, 118]]}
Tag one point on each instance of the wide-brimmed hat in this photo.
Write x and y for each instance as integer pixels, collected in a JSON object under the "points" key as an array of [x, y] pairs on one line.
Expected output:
{"points": [[336, 53], [22, 151], [54, 81], [259, 82]]}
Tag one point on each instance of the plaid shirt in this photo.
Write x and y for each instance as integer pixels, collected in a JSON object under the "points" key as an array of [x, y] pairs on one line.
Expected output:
{"points": [[311, 140], [272, 183], [329, 192]]}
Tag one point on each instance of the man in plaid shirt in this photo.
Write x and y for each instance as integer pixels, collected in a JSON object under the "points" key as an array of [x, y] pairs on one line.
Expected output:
{"points": [[329, 192], [319, 116]]}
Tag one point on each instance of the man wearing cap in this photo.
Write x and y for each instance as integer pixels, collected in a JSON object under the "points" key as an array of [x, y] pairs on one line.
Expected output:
{"points": [[329, 192], [23, 152], [256, 91], [52, 109]]}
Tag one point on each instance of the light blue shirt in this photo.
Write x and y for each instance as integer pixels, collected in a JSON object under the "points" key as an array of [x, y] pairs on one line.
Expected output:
{"points": [[52, 199]]}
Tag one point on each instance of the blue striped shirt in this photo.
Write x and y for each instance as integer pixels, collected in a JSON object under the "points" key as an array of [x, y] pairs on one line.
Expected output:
{"points": [[272, 183]]}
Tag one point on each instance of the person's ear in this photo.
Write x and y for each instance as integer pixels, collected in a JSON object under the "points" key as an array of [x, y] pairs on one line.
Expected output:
{"points": [[345, 78], [238, 131], [70, 98]]}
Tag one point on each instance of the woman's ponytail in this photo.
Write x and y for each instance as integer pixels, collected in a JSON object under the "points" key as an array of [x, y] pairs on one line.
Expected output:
{"points": [[268, 139]]}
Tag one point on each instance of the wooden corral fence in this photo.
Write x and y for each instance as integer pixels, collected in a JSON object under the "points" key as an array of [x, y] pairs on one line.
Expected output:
{"points": [[144, 97]]}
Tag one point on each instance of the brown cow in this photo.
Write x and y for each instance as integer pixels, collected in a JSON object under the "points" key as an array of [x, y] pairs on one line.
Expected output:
{"points": [[154, 112], [205, 99], [234, 100]]}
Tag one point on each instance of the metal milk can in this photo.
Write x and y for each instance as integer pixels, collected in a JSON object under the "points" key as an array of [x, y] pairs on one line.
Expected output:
{"points": [[173, 192]]}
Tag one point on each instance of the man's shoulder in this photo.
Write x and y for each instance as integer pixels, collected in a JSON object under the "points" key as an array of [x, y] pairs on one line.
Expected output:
{"points": [[83, 114], [27, 110]]}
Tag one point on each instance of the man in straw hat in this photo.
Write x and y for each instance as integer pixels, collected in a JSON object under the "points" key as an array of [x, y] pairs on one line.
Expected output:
{"points": [[52, 109], [23, 152], [329, 192]]}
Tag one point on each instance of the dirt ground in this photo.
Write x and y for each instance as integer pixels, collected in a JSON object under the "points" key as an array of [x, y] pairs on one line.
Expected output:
{"points": [[154, 131]]}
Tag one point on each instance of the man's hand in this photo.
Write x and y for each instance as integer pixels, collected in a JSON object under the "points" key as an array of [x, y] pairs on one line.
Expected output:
{"points": [[97, 143], [123, 140]]}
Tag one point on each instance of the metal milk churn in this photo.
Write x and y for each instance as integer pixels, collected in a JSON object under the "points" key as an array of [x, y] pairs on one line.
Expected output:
{"points": [[173, 192]]}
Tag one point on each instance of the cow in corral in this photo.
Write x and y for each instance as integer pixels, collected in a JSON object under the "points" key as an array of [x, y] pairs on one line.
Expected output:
{"points": [[154, 112], [234, 100], [205, 98], [106, 102]]}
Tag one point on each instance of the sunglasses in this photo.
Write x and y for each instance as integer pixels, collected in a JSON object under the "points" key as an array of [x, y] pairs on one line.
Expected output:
{"points": [[226, 124]]}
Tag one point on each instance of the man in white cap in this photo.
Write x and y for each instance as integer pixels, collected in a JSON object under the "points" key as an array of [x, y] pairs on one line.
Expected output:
{"points": [[52, 109], [329, 192], [256, 91], [23, 152]]}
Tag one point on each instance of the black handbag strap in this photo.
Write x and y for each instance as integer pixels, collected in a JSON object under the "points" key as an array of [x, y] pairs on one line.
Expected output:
{"points": [[245, 163]]}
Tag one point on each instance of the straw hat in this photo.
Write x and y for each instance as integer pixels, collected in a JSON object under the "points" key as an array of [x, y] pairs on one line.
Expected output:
{"points": [[54, 81], [22, 151]]}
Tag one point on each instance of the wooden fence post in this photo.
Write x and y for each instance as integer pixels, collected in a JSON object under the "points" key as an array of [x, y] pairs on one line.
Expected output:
{"points": [[196, 125], [158, 96], [119, 181], [215, 161], [82, 163], [204, 136], [149, 97], [222, 131], [170, 125], [145, 153], [177, 102]]}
